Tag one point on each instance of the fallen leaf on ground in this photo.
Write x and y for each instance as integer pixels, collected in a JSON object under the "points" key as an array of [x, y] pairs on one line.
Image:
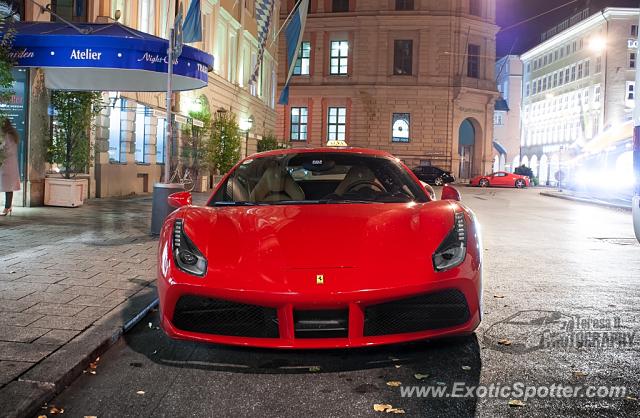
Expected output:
{"points": [[420, 376], [314, 369], [516, 403], [578, 373], [92, 371], [498, 296], [140, 392], [395, 411], [466, 368], [631, 398], [55, 410], [394, 383], [504, 341], [42, 416], [381, 407]]}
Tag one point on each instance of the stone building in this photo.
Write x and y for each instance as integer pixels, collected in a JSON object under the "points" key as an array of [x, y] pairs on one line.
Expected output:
{"points": [[128, 141], [506, 118], [415, 78], [579, 88]]}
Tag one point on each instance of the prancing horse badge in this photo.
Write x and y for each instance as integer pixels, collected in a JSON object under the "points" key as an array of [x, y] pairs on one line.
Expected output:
{"points": [[320, 279]]}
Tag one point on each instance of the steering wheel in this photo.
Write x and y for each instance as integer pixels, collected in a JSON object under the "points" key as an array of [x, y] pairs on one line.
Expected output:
{"points": [[364, 183]]}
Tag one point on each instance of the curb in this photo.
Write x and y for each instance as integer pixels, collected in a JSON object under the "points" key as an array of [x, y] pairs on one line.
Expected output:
{"points": [[588, 201], [24, 397]]}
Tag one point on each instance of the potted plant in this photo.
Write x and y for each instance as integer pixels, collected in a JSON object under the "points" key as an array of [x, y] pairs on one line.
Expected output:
{"points": [[222, 150], [69, 146], [270, 142]]}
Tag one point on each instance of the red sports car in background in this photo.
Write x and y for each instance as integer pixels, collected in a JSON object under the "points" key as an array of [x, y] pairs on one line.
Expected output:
{"points": [[501, 179], [319, 248]]}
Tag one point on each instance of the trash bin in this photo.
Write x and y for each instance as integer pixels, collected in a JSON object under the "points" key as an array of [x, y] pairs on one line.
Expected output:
{"points": [[160, 208]]}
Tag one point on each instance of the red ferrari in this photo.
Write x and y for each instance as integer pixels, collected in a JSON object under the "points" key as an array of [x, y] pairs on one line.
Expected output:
{"points": [[501, 179], [319, 248]]}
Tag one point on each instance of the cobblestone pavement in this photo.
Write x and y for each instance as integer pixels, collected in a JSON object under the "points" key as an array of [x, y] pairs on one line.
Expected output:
{"points": [[64, 269]]}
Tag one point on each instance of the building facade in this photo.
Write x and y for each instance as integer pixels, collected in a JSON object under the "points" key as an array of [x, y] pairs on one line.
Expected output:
{"points": [[578, 83], [415, 78], [506, 118], [128, 141]]}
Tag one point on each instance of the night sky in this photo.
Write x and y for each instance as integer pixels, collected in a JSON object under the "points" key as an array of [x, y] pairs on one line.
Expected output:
{"points": [[527, 35]]}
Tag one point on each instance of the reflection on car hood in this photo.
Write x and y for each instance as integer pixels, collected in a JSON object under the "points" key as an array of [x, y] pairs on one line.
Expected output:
{"points": [[310, 236]]}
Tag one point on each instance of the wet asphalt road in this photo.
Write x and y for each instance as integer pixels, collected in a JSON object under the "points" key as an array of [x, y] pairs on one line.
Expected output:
{"points": [[561, 290]]}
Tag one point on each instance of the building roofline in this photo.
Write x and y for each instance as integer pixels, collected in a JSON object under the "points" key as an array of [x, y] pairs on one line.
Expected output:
{"points": [[588, 23]]}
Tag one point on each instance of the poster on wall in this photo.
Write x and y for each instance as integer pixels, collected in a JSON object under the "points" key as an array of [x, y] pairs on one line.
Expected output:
{"points": [[16, 110]]}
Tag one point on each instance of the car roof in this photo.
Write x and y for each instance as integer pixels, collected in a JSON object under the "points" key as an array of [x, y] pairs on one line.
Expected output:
{"points": [[341, 150]]}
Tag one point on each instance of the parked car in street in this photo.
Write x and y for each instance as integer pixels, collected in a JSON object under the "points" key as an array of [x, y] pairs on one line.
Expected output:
{"points": [[501, 179], [433, 175], [319, 248]]}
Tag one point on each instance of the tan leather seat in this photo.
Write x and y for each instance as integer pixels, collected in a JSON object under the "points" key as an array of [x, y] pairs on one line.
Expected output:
{"points": [[356, 174], [276, 185], [238, 192]]}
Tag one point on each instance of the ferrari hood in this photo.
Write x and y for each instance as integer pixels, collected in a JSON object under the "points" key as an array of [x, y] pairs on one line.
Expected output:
{"points": [[267, 238]]}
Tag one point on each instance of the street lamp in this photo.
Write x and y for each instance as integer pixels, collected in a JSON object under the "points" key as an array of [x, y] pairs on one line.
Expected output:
{"points": [[246, 125]]}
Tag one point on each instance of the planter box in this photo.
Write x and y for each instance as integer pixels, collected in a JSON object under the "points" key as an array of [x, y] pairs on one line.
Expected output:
{"points": [[66, 193], [202, 184]]}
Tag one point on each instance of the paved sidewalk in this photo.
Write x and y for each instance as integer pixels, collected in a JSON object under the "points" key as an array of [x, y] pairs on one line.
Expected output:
{"points": [[586, 198], [70, 279]]}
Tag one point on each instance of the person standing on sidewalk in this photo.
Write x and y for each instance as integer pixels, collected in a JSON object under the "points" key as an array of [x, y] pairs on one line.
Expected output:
{"points": [[9, 176]]}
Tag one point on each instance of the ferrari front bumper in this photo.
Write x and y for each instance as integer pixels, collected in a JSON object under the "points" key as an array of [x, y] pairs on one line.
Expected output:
{"points": [[365, 318]]}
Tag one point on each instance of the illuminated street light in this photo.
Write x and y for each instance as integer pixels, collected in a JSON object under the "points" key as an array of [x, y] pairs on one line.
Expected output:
{"points": [[246, 124]]}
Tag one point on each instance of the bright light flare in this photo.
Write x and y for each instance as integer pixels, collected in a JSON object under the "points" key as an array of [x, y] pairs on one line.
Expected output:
{"points": [[597, 44]]}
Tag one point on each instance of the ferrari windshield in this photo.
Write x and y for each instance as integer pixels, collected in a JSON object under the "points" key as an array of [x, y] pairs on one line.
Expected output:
{"points": [[305, 177]]}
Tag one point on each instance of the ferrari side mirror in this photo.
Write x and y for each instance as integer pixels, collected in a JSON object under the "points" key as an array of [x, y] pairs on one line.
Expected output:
{"points": [[450, 193], [180, 199], [429, 189]]}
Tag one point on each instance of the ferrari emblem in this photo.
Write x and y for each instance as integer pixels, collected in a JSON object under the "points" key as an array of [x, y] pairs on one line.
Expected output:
{"points": [[320, 279]]}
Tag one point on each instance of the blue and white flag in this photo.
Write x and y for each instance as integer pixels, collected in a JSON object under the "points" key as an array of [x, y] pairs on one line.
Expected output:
{"points": [[192, 28], [293, 34], [177, 33], [264, 19]]}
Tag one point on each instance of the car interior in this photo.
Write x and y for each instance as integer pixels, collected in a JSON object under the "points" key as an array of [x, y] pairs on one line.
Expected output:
{"points": [[308, 177]]}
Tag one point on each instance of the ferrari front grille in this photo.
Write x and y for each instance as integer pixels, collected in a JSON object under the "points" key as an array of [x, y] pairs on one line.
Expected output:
{"points": [[221, 317], [442, 309]]}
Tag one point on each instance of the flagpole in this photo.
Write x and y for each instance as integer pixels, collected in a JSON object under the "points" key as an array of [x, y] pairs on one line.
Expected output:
{"points": [[169, 135], [295, 7]]}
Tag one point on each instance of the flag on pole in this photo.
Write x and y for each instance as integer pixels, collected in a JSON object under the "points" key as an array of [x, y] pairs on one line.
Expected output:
{"points": [[178, 38], [264, 18], [293, 34], [192, 28]]}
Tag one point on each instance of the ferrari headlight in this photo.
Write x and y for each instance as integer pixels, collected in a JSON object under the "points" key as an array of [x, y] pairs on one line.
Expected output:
{"points": [[186, 255], [453, 249]]}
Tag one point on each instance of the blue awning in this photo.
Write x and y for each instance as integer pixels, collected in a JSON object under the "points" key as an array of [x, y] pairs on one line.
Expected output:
{"points": [[105, 57], [499, 147]]}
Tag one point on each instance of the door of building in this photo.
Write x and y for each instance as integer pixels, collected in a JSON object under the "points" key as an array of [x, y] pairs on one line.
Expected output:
{"points": [[466, 156], [466, 142]]}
